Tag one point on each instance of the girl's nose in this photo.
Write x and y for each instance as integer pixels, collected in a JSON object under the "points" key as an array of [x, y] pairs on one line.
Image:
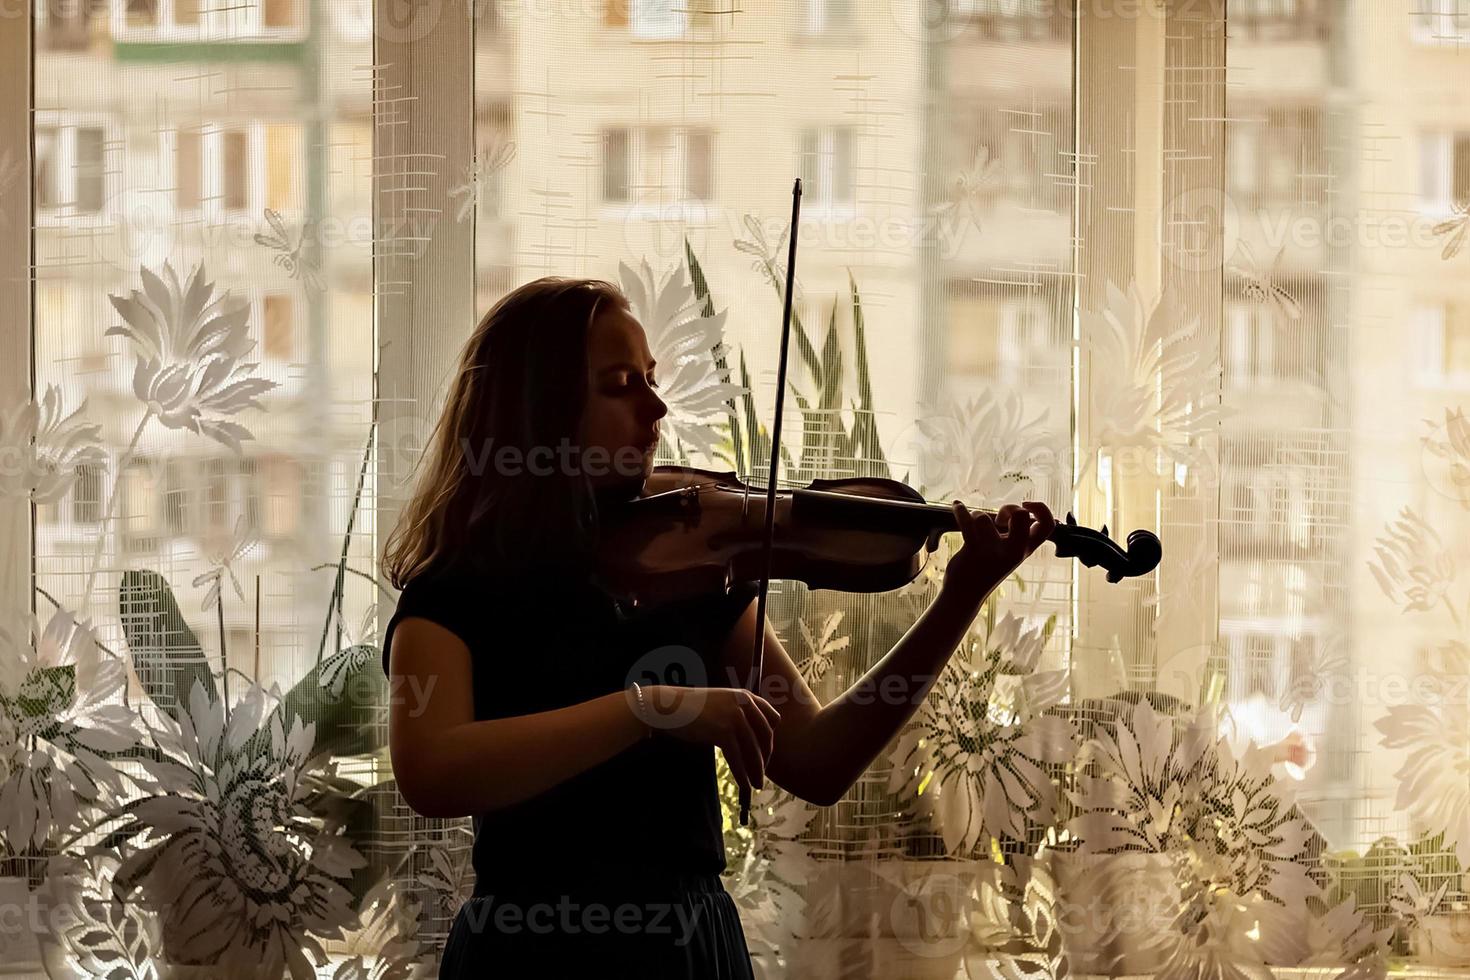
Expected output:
{"points": [[660, 407]]}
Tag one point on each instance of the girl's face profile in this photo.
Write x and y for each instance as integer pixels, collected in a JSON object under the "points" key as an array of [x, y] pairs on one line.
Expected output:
{"points": [[620, 424]]}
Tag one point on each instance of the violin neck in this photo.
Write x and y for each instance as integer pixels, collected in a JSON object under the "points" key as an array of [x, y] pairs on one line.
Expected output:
{"points": [[901, 515]]}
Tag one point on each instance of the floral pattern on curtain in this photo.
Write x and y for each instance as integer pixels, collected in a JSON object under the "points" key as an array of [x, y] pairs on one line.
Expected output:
{"points": [[1186, 266]]}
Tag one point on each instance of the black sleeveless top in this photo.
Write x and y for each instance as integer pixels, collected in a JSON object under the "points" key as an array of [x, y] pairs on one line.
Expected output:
{"points": [[545, 641]]}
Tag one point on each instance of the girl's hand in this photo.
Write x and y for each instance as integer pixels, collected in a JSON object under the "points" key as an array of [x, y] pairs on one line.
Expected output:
{"points": [[994, 546], [741, 723]]}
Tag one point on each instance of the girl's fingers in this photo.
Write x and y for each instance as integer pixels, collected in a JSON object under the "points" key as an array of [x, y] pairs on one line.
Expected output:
{"points": [[761, 725], [1005, 515], [976, 527], [769, 710], [750, 752], [963, 518], [1045, 522]]}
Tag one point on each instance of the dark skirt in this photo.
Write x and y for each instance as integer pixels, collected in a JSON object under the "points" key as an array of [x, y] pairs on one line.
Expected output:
{"points": [[652, 925]]}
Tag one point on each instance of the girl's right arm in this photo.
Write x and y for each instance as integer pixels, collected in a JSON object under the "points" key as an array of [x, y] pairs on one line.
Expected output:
{"points": [[449, 765]]}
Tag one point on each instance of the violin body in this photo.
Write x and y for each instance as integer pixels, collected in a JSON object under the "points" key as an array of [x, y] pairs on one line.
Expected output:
{"points": [[695, 531]]}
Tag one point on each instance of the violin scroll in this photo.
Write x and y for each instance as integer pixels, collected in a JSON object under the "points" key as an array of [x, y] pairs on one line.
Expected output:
{"points": [[1095, 548]]}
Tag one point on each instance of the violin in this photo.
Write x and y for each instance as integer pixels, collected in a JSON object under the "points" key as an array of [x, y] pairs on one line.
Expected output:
{"points": [[696, 532], [700, 530]]}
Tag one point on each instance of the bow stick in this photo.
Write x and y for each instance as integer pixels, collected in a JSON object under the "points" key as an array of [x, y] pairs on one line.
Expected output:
{"points": [[753, 681]]}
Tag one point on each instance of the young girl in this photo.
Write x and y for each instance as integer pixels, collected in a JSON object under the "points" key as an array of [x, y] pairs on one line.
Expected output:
{"points": [[579, 733]]}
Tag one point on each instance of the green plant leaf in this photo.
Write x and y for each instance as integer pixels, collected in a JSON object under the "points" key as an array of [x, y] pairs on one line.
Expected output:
{"points": [[867, 447], [166, 654], [701, 290]]}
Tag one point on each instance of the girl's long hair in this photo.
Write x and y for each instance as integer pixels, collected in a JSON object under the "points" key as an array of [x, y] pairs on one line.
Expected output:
{"points": [[521, 383]]}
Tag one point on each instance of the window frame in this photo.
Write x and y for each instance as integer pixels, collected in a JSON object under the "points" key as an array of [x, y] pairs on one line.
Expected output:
{"points": [[65, 123], [818, 201]]}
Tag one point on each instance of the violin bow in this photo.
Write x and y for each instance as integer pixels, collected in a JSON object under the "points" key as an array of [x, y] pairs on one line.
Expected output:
{"points": [[753, 681]]}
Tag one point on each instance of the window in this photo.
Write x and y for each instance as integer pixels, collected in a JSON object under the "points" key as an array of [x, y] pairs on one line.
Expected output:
{"points": [[1266, 159], [1439, 21], [71, 170], [1443, 343], [241, 167], [1275, 20], [280, 492], [824, 16], [1017, 20], [1269, 505], [1444, 170], [176, 516], [657, 165], [216, 496], [825, 163], [1250, 344], [194, 20], [86, 495], [1260, 669], [1028, 338], [660, 20], [250, 478], [140, 505], [616, 161], [70, 25], [1017, 154], [278, 327]]}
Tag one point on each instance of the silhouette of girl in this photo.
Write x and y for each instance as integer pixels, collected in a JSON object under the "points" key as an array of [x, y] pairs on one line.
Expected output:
{"points": [[598, 843]]}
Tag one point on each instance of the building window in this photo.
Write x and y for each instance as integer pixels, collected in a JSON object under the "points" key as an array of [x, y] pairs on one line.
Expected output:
{"points": [[662, 20], [824, 16], [665, 164], [698, 163], [616, 158], [216, 496], [1018, 155], [71, 169], [1267, 159], [280, 489], [278, 326], [86, 494], [824, 160], [1440, 21], [1017, 20], [193, 20], [140, 504], [234, 166], [1250, 344], [70, 25], [1443, 343], [1444, 171], [176, 498], [1275, 20], [245, 167], [657, 19]]}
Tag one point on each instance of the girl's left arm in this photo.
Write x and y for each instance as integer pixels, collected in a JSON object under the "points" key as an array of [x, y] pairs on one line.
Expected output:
{"points": [[821, 750]]}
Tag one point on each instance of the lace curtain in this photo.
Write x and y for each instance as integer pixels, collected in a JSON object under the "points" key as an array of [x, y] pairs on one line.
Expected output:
{"points": [[1183, 265]]}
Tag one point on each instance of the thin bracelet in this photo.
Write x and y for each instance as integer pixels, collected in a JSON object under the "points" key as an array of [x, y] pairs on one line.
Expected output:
{"points": [[642, 710]]}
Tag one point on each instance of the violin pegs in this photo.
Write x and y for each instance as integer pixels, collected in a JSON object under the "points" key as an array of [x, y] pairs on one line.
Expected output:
{"points": [[1104, 530], [1070, 518]]}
